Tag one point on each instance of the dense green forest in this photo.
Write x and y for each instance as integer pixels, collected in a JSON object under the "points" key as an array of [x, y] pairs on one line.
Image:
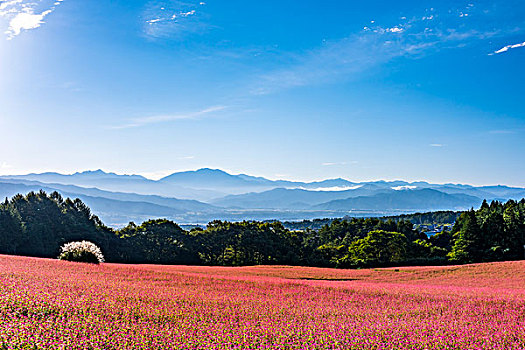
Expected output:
{"points": [[431, 218], [38, 224]]}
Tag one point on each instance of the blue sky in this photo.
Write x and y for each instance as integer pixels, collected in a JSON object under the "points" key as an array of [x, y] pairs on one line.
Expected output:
{"points": [[413, 90]]}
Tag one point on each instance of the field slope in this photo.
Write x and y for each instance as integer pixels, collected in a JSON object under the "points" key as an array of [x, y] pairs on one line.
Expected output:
{"points": [[48, 304]]}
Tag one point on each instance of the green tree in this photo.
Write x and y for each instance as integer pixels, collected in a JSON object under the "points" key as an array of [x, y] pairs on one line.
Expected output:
{"points": [[12, 233], [514, 231], [378, 248], [156, 241], [467, 244]]}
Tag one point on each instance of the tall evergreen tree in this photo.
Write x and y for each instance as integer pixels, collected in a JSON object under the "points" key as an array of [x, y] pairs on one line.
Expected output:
{"points": [[467, 240]]}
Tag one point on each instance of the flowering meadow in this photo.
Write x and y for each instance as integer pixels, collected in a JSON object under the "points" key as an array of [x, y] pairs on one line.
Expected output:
{"points": [[51, 304]]}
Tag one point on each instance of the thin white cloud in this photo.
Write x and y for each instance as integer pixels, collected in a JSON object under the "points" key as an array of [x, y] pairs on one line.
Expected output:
{"points": [[332, 189], [509, 47], [138, 122], [394, 30], [379, 43], [25, 20], [5, 5], [339, 163], [436, 145], [22, 15], [186, 14], [404, 188], [172, 19], [5, 165]]}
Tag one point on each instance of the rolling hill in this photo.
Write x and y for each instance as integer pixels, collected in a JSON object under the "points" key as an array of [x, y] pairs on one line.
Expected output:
{"points": [[207, 194], [407, 200]]}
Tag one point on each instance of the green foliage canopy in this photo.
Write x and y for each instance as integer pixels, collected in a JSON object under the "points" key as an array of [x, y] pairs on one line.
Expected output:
{"points": [[38, 224]]}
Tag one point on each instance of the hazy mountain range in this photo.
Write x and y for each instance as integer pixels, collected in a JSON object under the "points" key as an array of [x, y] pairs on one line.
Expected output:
{"points": [[206, 194]]}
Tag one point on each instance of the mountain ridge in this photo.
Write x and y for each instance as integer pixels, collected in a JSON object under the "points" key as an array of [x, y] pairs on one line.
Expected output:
{"points": [[207, 193], [405, 200]]}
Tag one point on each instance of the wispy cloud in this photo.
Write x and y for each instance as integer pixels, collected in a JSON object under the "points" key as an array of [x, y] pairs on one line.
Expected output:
{"points": [[9, 6], [508, 47], [404, 188], [339, 163], [139, 122], [172, 19], [436, 145], [25, 15], [379, 43], [332, 189], [5, 165]]}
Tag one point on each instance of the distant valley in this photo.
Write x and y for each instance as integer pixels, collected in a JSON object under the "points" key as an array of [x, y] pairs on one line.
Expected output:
{"points": [[197, 197]]}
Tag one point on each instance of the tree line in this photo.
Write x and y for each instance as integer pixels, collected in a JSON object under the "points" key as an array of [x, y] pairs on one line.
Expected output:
{"points": [[434, 217], [38, 224]]}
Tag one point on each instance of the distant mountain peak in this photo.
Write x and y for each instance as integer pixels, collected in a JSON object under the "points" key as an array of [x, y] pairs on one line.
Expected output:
{"points": [[212, 171], [44, 173], [99, 173], [198, 172], [92, 172]]}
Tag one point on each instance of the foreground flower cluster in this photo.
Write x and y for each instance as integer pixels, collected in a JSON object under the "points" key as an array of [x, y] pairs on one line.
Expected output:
{"points": [[82, 251], [49, 304]]}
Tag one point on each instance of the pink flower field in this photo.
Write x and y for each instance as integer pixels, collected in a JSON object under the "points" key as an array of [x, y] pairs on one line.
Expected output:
{"points": [[49, 304]]}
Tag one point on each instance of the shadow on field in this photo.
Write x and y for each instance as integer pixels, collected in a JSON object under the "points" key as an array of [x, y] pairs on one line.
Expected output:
{"points": [[324, 279]]}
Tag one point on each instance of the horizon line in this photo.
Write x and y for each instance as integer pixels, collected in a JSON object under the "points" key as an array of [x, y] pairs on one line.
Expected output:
{"points": [[233, 173]]}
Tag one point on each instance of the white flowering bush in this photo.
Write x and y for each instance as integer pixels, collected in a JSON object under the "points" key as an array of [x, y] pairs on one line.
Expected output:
{"points": [[83, 251]]}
